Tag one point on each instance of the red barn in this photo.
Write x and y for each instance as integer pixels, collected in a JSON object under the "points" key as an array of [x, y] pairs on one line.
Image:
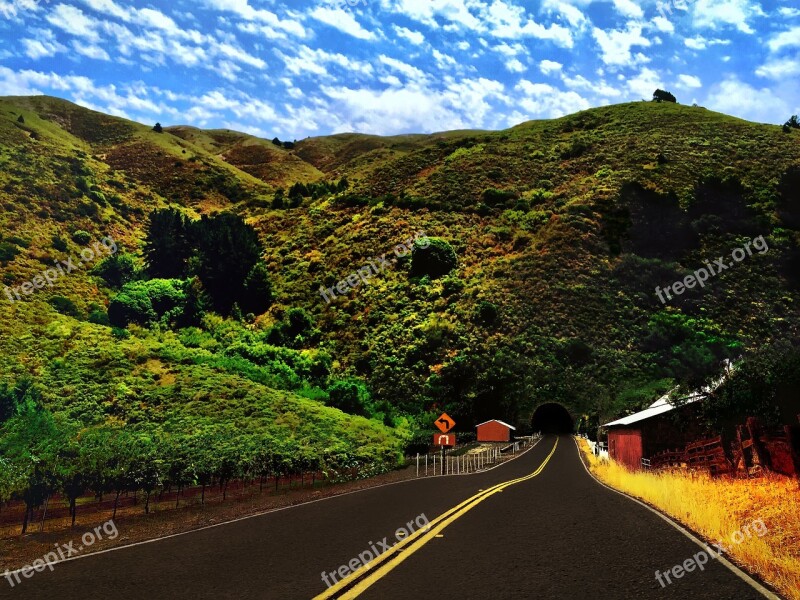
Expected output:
{"points": [[495, 431], [643, 434]]}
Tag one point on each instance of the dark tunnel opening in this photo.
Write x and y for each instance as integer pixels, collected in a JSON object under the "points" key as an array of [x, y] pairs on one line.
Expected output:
{"points": [[552, 418]]}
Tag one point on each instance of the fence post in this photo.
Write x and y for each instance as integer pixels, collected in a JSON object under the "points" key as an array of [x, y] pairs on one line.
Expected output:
{"points": [[417, 464]]}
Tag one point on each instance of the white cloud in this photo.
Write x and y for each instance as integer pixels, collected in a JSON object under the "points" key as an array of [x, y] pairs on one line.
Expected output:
{"points": [[272, 22], [415, 37], [74, 21], [541, 100], [43, 44], [780, 69], [645, 83], [308, 60], [514, 65], [549, 66], [690, 81], [628, 8], [700, 43], [90, 50], [616, 44], [662, 24], [411, 72], [785, 39], [343, 21], [733, 96], [714, 14]]}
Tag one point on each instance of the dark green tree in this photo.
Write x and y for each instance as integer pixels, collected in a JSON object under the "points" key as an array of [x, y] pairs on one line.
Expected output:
{"points": [[433, 257], [663, 96], [167, 245], [227, 251]]}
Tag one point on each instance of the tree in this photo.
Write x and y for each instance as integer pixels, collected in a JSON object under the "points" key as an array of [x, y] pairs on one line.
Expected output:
{"points": [[227, 251], [116, 270], [276, 141], [350, 396], [663, 96], [21, 119], [792, 123], [157, 128], [433, 257], [145, 302], [167, 246], [257, 290]]}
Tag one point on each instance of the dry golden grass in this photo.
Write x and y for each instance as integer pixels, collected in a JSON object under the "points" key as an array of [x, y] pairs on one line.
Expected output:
{"points": [[719, 508]]}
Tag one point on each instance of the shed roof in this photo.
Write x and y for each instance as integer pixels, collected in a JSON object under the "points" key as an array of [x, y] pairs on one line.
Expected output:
{"points": [[659, 407], [497, 421], [663, 405]]}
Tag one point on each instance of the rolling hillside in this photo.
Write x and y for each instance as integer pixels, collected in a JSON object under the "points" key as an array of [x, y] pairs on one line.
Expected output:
{"points": [[562, 230]]}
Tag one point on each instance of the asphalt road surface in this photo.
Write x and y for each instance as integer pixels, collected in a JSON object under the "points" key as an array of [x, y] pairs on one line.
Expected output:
{"points": [[536, 527]]}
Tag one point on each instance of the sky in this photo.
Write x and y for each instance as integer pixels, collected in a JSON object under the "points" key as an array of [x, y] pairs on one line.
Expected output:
{"points": [[316, 67]]}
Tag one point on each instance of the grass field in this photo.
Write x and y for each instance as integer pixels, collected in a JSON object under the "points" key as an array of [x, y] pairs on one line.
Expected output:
{"points": [[718, 508]]}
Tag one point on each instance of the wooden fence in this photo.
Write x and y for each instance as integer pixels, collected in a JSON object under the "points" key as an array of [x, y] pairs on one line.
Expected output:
{"points": [[755, 450]]}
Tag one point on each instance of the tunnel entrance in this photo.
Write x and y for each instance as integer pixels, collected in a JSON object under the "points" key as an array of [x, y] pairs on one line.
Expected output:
{"points": [[552, 418]]}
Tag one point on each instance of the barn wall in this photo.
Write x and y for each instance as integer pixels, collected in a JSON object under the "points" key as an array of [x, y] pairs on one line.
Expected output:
{"points": [[493, 432], [625, 446]]}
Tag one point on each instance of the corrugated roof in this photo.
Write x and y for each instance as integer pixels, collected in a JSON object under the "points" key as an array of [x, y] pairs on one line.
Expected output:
{"points": [[659, 407], [497, 421], [663, 405]]}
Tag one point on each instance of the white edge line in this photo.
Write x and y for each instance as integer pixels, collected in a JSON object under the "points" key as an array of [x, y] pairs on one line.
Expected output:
{"points": [[273, 510], [736, 570]]}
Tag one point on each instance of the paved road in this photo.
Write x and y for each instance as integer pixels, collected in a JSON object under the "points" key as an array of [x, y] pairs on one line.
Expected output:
{"points": [[555, 535]]}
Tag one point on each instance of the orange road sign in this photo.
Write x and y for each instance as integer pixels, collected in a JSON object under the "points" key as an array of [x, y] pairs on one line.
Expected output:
{"points": [[444, 439], [445, 423]]}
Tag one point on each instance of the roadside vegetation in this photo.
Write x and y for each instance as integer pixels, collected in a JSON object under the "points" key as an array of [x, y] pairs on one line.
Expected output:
{"points": [[716, 508]]}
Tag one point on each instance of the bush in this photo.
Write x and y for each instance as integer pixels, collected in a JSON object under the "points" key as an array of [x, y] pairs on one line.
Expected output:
{"points": [[116, 270], [350, 396], [433, 257], [8, 252], [145, 302], [486, 313], [60, 244], [65, 306], [81, 237], [99, 316]]}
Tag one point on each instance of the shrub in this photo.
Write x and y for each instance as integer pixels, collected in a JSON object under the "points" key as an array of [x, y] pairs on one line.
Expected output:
{"points": [[350, 396], [65, 306], [98, 316], [8, 252], [59, 244], [435, 258], [145, 302], [116, 270], [486, 313], [81, 237]]}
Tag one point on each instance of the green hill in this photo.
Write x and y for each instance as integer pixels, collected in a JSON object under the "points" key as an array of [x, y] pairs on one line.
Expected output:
{"points": [[561, 229]]}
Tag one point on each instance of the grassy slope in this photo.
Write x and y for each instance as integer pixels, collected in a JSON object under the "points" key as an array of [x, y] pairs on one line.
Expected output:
{"points": [[86, 373], [546, 265]]}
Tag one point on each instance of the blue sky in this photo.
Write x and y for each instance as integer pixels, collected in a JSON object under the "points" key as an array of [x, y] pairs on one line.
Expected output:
{"points": [[315, 67]]}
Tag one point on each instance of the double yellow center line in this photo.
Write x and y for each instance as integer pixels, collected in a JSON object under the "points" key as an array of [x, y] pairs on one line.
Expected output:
{"points": [[357, 583]]}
